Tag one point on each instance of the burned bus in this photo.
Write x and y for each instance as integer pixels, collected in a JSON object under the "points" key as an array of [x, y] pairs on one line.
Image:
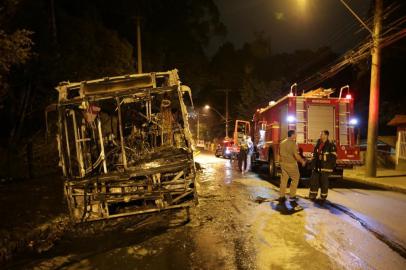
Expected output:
{"points": [[125, 147]]}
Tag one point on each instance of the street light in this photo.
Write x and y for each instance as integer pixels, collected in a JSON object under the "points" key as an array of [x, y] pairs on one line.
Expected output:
{"points": [[208, 107]]}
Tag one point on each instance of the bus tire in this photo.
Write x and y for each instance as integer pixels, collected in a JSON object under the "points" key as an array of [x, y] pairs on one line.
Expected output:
{"points": [[271, 166]]}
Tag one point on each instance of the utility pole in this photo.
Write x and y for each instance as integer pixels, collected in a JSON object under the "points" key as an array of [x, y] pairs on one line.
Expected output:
{"points": [[53, 23], [139, 55], [227, 112], [373, 117], [198, 128]]}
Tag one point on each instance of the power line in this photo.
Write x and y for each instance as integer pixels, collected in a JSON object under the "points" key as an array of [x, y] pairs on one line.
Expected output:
{"points": [[351, 57], [359, 53], [356, 54]]}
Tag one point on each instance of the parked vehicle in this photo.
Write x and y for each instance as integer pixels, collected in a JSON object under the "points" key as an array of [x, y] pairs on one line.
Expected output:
{"points": [[225, 149]]}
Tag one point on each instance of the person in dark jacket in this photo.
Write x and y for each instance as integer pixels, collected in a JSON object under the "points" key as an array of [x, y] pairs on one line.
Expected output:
{"points": [[323, 164], [242, 156]]}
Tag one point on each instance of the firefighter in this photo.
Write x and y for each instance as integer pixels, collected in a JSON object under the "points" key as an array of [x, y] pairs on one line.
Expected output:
{"points": [[250, 152], [242, 156], [289, 158], [323, 163]]}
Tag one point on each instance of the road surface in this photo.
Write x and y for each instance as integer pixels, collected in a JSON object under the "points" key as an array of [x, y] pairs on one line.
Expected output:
{"points": [[359, 228]]}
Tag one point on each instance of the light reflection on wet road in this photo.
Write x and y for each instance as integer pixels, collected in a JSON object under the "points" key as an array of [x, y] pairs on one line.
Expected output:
{"points": [[228, 230]]}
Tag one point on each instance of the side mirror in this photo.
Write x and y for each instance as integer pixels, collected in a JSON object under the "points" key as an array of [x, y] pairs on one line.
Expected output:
{"points": [[186, 89]]}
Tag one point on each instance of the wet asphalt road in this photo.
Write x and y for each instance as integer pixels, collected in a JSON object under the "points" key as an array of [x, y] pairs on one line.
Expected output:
{"points": [[360, 228]]}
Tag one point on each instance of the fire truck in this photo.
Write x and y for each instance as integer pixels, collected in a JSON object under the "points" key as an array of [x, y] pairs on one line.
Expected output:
{"points": [[308, 114]]}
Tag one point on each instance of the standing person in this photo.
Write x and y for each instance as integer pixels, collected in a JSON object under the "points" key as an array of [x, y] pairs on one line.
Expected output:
{"points": [[323, 163], [242, 156], [250, 151], [289, 158]]}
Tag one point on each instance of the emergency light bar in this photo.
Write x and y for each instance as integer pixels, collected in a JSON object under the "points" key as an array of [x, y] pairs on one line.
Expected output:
{"points": [[291, 119]]}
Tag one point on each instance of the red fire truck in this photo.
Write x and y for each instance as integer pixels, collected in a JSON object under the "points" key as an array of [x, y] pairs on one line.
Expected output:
{"points": [[308, 114]]}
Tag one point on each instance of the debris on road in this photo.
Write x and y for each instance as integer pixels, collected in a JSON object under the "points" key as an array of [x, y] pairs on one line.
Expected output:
{"points": [[260, 199]]}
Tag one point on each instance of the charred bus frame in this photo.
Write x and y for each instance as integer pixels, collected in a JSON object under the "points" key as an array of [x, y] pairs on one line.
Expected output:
{"points": [[105, 175]]}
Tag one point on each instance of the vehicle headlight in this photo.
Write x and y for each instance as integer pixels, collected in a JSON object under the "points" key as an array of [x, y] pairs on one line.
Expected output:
{"points": [[353, 121]]}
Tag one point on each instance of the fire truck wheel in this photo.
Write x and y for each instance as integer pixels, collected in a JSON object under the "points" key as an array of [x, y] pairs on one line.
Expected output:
{"points": [[271, 167]]}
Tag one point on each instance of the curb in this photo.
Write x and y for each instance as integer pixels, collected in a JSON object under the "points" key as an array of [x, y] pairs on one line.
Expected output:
{"points": [[375, 184]]}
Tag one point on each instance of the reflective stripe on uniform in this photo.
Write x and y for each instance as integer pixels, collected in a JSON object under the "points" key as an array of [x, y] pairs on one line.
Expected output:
{"points": [[326, 170]]}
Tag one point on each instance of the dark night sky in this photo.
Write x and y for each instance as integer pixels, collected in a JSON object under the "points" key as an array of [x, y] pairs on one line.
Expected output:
{"points": [[293, 24]]}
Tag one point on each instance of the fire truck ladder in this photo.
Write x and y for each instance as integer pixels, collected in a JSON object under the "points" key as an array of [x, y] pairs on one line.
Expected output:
{"points": [[300, 120], [344, 116]]}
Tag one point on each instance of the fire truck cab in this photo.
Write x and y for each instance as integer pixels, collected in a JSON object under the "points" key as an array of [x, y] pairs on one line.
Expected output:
{"points": [[242, 128], [308, 114]]}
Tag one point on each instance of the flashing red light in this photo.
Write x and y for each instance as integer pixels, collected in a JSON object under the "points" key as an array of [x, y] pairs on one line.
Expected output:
{"points": [[348, 96]]}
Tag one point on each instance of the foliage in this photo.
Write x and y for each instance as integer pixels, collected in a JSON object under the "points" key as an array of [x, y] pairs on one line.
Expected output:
{"points": [[78, 40], [15, 48], [89, 50], [44, 42], [256, 94], [255, 76]]}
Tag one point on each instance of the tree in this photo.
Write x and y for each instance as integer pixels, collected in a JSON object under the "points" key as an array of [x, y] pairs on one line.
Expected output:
{"points": [[256, 93], [88, 50], [15, 48], [77, 40]]}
